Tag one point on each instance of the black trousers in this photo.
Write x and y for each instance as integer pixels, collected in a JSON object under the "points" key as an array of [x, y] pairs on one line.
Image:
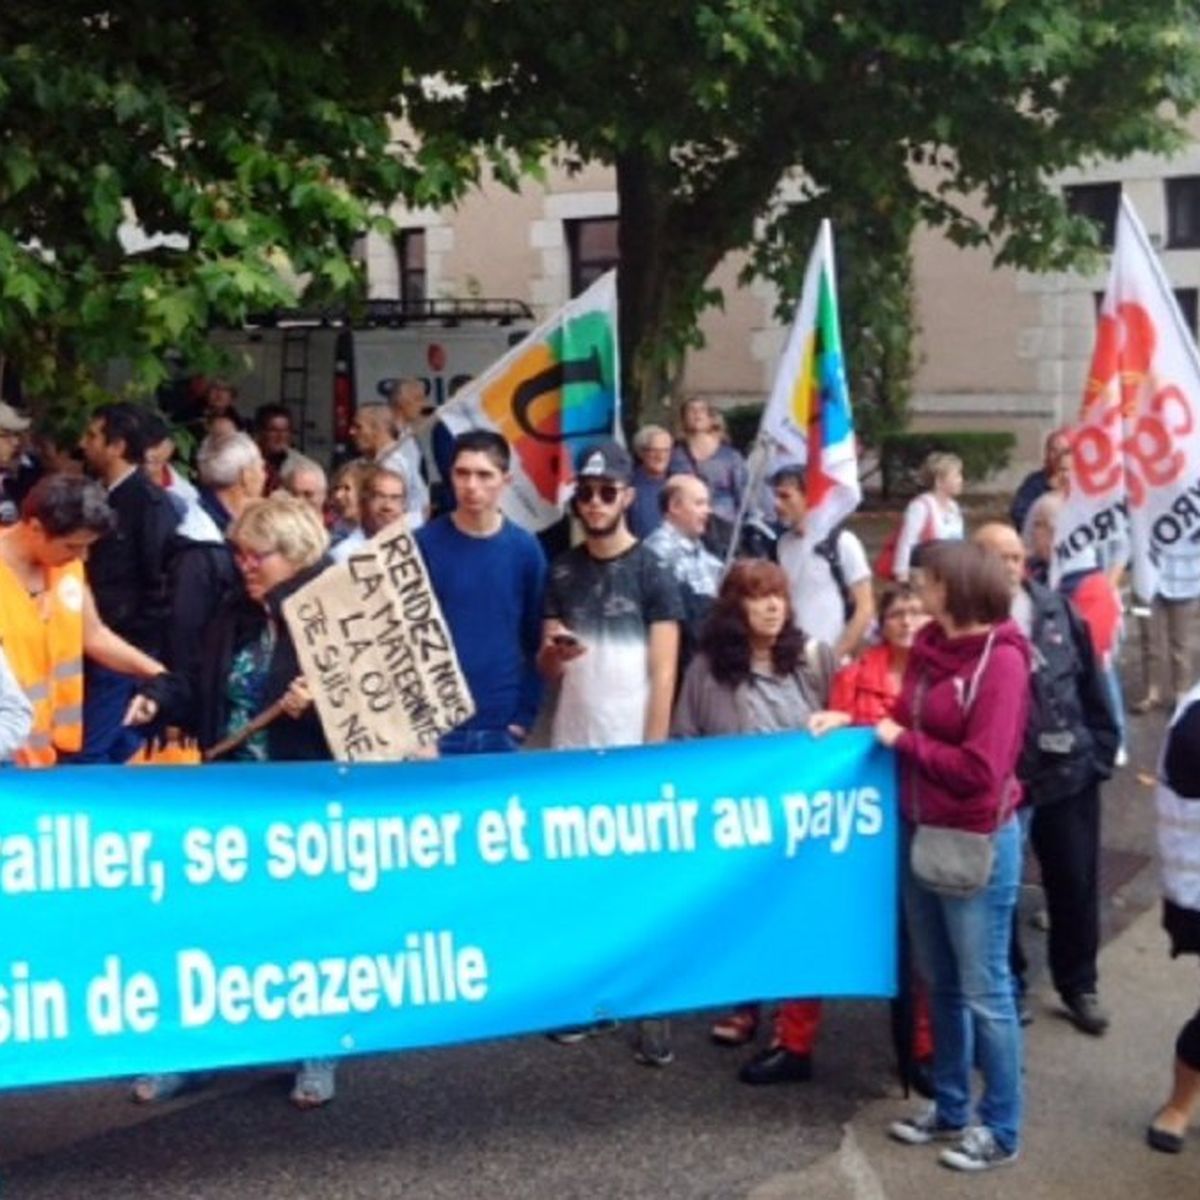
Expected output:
{"points": [[1065, 835]]}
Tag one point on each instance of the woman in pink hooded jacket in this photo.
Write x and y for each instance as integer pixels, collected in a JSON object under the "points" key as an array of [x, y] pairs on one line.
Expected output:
{"points": [[958, 728]]}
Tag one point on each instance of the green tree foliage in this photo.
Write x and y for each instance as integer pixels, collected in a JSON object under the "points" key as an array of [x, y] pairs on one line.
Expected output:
{"points": [[251, 139], [880, 113]]}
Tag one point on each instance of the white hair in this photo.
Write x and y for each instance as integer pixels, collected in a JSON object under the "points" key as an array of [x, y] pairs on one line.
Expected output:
{"points": [[646, 435], [298, 464], [222, 458]]}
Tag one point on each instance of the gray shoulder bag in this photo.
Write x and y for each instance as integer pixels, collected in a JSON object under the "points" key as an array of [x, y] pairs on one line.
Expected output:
{"points": [[951, 862]]}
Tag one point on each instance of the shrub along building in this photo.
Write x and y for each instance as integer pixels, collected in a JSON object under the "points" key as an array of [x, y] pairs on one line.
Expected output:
{"points": [[996, 349]]}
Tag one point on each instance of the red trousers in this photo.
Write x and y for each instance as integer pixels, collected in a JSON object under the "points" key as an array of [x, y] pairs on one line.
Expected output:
{"points": [[797, 1022]]}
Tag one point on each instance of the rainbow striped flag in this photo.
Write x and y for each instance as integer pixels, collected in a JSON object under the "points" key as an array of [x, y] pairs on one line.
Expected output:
{"points": [[550, 395], [807, 420]]}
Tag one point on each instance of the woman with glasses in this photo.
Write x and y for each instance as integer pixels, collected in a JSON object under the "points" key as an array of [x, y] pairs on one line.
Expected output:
{"points": [[864, 692], [250, 662]]}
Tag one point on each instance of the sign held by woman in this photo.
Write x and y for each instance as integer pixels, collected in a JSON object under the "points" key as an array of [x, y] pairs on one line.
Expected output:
{"points": [[377, 653]]}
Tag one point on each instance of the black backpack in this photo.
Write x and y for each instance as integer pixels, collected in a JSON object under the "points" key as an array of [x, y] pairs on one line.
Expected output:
{"points": [[826, 548]]}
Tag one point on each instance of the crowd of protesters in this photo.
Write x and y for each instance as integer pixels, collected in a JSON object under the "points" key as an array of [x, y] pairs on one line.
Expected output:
{"points": [[132, 597]]}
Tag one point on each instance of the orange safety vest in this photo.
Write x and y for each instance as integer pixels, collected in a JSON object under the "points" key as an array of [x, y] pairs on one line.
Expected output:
{"points": [[43, 638]]}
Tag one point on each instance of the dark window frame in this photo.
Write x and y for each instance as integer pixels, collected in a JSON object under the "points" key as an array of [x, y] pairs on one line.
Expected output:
{"points": [[1099, 202], [585, 270], [1183, 234], [412, 280]]}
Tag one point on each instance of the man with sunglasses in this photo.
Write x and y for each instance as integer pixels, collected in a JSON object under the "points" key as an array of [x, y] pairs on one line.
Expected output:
{"points": [[611, 641], [478, 559]]}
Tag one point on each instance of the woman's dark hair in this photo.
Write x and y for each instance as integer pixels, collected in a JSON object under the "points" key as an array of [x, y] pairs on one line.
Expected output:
{"points": [[726, 635], [64, 504], [977, 588], [893, 593]]}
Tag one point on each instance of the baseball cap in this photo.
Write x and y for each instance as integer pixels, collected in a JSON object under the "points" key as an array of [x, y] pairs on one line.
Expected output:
{"points": [[604, 460], [11, 421]]}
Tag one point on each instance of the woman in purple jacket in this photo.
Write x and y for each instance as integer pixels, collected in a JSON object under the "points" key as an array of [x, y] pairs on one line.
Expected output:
{"points": [[958, 728]]}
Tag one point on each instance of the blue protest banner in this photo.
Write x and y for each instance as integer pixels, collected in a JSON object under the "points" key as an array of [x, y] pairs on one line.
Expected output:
{"points": [[175, 918]]}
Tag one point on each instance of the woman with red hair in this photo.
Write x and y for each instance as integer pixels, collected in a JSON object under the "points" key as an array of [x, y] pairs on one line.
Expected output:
{"points": [[756, 672]]}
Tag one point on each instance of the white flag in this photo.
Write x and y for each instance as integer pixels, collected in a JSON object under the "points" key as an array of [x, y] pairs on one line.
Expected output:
{"points": [[1135, 451], [807, 419]]}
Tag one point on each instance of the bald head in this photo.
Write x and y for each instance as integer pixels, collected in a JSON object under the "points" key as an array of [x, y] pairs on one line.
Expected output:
{"points": [[1004, 542], [685, 504]]}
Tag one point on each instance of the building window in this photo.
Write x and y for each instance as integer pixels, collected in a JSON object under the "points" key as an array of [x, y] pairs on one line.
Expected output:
{"points": [[1186, 298], [592, 246], [1183, 211], [410, 256], [1098, 202]]}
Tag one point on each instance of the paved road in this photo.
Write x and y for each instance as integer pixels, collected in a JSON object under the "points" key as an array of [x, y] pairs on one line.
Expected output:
{"points": [[530, 1119]]}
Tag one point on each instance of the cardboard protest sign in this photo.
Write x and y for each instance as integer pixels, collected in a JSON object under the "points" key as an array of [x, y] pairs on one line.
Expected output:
{"points": [[377, 654]]}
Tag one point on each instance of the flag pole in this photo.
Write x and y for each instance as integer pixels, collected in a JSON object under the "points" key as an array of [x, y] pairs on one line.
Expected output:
{"points": [[754, 480]]}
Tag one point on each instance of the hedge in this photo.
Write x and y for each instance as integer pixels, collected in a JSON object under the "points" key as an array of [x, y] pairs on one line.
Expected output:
{"points": [[901, 456]]}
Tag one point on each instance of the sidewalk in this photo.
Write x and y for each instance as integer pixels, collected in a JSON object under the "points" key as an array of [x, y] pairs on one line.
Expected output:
{"points": [[1088, 1101]]}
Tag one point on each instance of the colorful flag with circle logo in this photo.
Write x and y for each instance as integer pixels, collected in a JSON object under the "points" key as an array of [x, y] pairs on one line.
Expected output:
{"points": [[550, 395]]}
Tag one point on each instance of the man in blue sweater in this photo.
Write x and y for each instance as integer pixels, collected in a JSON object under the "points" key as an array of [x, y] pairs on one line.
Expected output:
{"points": [[489, 576]]}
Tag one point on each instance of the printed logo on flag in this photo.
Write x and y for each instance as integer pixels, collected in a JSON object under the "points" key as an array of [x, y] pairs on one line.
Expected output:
{"points": [[548, 397], [1135, 449], [1137, 415]]}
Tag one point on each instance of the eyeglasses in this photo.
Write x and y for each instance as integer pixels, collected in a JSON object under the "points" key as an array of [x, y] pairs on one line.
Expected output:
{"points": [[251, 558], [606, 493]]}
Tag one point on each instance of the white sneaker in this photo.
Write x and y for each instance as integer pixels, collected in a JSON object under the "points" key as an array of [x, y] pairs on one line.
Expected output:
{"points": [[1122, 759], [923, 1128], [978, 1151]]}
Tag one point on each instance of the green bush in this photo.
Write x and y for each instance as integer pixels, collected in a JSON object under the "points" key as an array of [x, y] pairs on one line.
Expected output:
{"points": [[901, 456]]}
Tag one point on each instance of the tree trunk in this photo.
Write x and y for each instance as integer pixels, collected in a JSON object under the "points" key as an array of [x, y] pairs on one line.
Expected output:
{"points": [[642, 282]]}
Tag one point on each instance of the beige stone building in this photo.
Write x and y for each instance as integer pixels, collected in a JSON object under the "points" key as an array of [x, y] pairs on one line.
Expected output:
{"points": [[996, 348]]}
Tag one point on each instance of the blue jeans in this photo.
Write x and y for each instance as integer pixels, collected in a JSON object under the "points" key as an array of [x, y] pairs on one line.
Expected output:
{"points": [[961, 948], [477, 741]]}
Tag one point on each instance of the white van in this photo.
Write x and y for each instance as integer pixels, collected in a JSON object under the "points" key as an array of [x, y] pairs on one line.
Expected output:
{"points": [[323, 367]]}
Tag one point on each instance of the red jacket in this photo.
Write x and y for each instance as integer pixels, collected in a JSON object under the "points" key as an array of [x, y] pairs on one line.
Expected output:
{"points": [[864, 689], [958, 767]]}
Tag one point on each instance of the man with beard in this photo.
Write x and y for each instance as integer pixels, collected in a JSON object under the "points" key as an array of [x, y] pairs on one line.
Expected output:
{"points": [[610, 640]]}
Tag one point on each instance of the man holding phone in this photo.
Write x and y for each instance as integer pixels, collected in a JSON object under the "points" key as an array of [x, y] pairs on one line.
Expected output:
{"points": [[611, 633], [610, 640]]}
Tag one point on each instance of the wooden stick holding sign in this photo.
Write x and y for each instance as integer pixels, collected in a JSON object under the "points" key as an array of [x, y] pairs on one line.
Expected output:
{"points": [[377, 654], [228, 744]]}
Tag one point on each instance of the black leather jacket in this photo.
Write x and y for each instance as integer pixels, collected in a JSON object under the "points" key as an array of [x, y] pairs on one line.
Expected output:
{"points": [[1072, 736]]}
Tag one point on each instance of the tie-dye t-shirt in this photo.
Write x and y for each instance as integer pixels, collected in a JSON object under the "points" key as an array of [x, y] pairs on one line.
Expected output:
{"points": [[610, 605]]}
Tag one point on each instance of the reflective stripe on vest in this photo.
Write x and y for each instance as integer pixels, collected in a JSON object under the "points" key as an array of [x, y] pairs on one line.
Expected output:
{"points": [[43, 639]]}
